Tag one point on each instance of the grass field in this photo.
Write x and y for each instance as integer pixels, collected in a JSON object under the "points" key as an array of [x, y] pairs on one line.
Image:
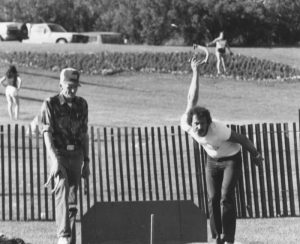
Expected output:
{"points": [[159, 99], [249, 231], [139, 99]]}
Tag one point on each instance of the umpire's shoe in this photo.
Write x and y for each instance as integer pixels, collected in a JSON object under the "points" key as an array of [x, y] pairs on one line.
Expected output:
{"points": [[63, 240]]}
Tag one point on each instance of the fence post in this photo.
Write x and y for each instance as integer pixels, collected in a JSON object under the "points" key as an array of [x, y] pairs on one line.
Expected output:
{"points": [[247, 177], [9, 170], [268, 170], [154, 163], [2, 171], [282, 170], [175, 162], [121, 165], [112, 140], [253, 174], [289, 168], [24, 174], [296, 162], [17, 169], [161, 163], [275, 171], [182, 163]]}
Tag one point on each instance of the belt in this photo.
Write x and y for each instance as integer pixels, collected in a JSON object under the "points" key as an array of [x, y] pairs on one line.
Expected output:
{"points": [[226, 158], [69, 148]]}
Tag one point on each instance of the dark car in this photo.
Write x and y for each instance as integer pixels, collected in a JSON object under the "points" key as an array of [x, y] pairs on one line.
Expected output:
{"points": [[13, 31]]}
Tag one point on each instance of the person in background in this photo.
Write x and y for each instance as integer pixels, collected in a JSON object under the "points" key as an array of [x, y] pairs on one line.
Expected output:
{"points": [[224, 163], [12, 83], [64, 121], [221, 45]]}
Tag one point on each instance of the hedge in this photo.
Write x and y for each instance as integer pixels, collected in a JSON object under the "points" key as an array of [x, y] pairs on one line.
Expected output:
{"points": [[238, 66]]}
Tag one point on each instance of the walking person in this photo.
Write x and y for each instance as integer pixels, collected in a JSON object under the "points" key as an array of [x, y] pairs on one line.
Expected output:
{"points": [[64, 119], [224, 162], [12, 83], [221, 45]]}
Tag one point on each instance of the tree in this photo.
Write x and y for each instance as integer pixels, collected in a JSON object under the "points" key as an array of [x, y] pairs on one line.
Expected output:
{"points": [[154, 20]]}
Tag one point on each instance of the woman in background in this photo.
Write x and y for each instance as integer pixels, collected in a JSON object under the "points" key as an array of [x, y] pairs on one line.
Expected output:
{"points": [[221, 45], [12, 83]]}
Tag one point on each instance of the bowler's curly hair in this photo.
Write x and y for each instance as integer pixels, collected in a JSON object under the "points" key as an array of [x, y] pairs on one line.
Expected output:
{"points": [[201, 112]]}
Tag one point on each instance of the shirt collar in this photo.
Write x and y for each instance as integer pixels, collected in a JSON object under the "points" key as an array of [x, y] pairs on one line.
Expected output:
{"points": [[62, 99]]}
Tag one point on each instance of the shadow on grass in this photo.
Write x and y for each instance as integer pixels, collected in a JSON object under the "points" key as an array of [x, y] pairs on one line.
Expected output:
{"points": [[82, 82]]}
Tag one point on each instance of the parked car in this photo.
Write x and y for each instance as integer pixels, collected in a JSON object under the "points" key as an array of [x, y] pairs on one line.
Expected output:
{"points": [[13, 31], [53, 33], [105, 37]]}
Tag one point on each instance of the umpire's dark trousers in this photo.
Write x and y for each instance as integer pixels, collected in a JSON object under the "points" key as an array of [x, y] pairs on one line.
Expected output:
{"points": [[221, 178]]}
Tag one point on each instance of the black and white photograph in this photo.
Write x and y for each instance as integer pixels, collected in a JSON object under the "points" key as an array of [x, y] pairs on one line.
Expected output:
{"points": [[149, 121]]}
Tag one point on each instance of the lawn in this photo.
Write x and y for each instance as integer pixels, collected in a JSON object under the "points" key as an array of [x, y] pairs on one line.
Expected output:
{"points": [[249, 231], [141, 99]]}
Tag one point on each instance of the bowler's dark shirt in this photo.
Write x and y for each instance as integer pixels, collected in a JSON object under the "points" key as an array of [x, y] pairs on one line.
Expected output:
{"points": [[68, 125]]}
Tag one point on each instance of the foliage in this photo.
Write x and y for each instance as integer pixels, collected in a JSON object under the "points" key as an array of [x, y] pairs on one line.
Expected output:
{"points": [[238, 66], [246, 22]]}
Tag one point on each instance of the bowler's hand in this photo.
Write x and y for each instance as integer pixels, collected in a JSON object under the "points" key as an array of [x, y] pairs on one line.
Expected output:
{"points": [[258, 159], [85, 170], [195, 64]]}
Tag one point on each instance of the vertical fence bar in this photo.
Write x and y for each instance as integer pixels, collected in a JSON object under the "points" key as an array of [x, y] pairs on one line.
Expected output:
{"points": [[240, 193], [241, 188], [86, 190], [289, 168], [45, 180], [38, 169], [198, 179], [154, 163], [159, 139], [282, 170], [182, 163], [148, 164], [121, 164], [247, 177], [275, 171], [112, 139], [128, 165], [80, 200], [296, 162], [261, 174], [253, 174], [31, 173], [2, 172], [107, 165], [134, 164], [100, 164], [168, 163], [93, 163], [24, 174], [189, 165], [202, 175], [142, 163], [268, 169], [9, 170], [175, 162], [17, 170]]}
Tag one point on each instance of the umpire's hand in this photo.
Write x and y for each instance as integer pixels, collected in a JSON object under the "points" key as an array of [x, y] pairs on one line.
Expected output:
{"points": [[85, 170]]}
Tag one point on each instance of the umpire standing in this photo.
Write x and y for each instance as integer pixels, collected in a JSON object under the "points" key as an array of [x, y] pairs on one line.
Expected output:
{"points": [[64, 119]]}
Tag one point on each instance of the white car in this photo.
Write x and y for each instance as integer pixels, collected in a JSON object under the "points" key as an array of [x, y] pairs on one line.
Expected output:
{"points": [[53, 33]]}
